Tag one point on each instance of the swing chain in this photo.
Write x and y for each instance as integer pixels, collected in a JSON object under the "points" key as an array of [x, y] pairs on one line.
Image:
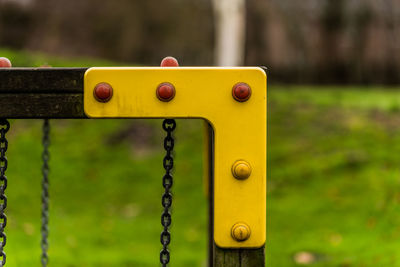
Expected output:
{"points": [[4, 127], [45, 192], [169, 126]]}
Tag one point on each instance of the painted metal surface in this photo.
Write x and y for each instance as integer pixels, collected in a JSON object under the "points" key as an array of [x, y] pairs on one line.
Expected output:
{"points": [[239, 130]]}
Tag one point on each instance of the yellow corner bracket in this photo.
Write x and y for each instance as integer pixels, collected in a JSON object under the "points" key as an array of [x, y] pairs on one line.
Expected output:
{"points": [[239, 133]]}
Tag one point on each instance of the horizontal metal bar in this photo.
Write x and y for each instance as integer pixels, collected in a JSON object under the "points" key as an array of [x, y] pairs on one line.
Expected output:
{"points": [[41, 92], [35, 106], [41, 80]]}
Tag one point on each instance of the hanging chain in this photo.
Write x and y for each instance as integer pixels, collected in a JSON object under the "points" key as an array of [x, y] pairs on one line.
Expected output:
{"points": [[169, 126], [45, 192], [4, 127]]}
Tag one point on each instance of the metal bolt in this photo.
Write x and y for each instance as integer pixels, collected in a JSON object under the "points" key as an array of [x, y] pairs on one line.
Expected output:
{"points": [[241, 169], [240, 232], [169, 62], [5, 62], [165, 92], [103, 92], [241, 92]]}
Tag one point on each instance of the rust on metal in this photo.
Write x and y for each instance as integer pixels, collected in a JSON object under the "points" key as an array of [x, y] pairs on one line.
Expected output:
{"points": [[165, 92], [103, 92], [241, 92], [169, 62]]}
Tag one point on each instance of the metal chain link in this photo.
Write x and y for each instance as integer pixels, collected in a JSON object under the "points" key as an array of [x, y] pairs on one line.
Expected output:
{"points": [[169, 126], [45, 192], [4, 127]]}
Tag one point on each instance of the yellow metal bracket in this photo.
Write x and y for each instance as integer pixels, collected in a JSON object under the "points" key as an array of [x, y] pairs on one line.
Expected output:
{"points": [[239, 133]]}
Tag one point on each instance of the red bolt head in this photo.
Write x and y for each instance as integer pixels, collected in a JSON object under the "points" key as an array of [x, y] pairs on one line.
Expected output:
{"points": [[103, 92], [165, 92], [169, 62], [4, 62], [241, 92]]}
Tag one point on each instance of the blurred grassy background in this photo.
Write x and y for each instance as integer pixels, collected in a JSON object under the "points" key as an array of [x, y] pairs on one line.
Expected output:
{"points": [[333, 188]]}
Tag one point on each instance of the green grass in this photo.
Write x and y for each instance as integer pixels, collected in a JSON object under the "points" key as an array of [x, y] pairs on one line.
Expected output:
{"points": [[333, 188], [105, 194], [334, 180]]}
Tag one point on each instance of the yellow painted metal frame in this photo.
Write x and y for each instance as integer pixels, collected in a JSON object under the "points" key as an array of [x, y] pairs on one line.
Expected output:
{"points": [[239, 130]]}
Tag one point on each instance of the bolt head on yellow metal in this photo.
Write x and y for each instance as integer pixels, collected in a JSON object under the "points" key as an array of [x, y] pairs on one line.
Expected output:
{"points": [[241, 170], [241, 232]]}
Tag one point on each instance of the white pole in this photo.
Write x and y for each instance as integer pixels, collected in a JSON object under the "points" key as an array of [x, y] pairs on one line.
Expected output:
{"points": [[230, 26]]}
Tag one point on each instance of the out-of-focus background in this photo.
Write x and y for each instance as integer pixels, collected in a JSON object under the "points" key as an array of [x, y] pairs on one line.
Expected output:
{"points": [[334, 116]]}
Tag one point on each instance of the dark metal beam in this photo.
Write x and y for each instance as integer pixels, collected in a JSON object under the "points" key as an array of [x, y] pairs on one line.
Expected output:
{"points": [[35, 106], [41, 92], [41, 80]]}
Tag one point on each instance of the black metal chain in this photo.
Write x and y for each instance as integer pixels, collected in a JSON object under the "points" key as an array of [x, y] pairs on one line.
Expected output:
{"points": [[169, 126], [4, 127], [45, 192]]}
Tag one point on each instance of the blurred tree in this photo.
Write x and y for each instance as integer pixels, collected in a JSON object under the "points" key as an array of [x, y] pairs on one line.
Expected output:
{"points": [[392, 59], [362, 18], [333, 21], [15, 24], [126, 30], [310, 41], [230, 27], [256, 46]]}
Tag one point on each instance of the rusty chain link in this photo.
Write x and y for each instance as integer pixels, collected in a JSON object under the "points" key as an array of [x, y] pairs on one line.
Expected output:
{"points": [[45, 192], [4, 127], [169, 126]]}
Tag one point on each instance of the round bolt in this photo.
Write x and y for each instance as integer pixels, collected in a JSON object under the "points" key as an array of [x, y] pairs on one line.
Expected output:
{"points": [[165, 92], [241, 169], [169, 62], [240, 232], [241, 92], [103, 92], [5, 62]]}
